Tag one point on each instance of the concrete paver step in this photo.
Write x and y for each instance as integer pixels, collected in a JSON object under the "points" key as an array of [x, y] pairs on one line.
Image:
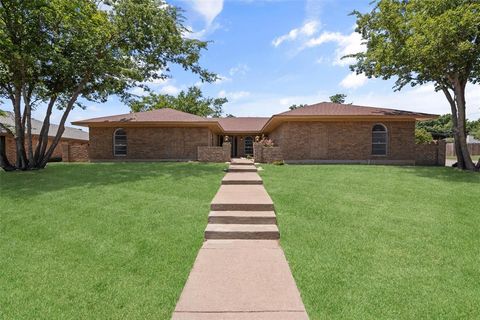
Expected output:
{"points": [[237, 161], [242, 168], [242, 231], [242, 198], [240, 279], [242, 178], [242, 217]]}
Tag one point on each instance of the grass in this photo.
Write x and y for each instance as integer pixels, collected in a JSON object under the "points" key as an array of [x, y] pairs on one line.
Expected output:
{"points": [[101, 241], [379, 242]]}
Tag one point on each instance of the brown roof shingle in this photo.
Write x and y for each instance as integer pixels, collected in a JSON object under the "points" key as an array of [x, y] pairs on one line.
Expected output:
{"points": [[160, 115], [337, 109], [242, 124]]}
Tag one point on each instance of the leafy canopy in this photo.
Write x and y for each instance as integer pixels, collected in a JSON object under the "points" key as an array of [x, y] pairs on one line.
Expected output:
{"points": [[420, 41], [338, 98], [190, 101]]}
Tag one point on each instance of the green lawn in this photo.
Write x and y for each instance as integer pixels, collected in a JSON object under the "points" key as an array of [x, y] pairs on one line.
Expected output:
{"points": [[101, 241], [376, 242]]}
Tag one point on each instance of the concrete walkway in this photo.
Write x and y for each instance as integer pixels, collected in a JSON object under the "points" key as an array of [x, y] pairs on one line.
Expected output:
{"points": [[241, 271]]}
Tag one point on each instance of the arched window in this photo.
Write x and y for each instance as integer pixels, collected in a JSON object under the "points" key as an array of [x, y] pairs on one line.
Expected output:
{"points": [[120, 142], [379, 140], [248, 146]]}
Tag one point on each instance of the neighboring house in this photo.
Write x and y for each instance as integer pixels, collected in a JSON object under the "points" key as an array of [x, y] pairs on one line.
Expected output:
{"points": [[73, 145], [471, 139], [324, 132]]}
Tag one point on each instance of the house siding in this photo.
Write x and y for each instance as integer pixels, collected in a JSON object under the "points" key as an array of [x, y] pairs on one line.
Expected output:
{"points": [[343, 140], [80, 149], [155, 143]]}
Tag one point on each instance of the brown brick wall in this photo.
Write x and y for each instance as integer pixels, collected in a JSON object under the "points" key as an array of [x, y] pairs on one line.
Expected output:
{"points": [[343, 141], [215, 154], [79, 148], [150, 143], [430, 154], [74, 152]]}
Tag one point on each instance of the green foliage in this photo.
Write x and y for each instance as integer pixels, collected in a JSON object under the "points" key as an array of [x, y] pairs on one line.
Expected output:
{"points": [[421, 41], [338, 98], [422, 136], [60, 51], [476, 133], [190, 101], [294, 106], [441, 127]]}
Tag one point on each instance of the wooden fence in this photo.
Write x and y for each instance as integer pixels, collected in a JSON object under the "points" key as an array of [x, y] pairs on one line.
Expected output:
{"points": [[474, 149]]}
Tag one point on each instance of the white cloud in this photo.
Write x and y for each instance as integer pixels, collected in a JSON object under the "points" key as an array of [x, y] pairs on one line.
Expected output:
{"points": [[209, 9], [170, 89], [240, 69], [222, 79], [346, 44], [353, 81], [234, 95], [308, 29]]}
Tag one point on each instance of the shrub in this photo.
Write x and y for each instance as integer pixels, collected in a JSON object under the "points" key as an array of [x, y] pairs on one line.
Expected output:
{"points": [[267, 142], [422, 136]]}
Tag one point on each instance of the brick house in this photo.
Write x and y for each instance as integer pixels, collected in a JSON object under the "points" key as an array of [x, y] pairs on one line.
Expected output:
{"points": [[324, 132], [72, 147]]}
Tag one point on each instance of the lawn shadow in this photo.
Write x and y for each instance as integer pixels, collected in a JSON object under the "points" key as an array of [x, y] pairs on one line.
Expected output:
{"points": [[62, 176], [447, 174]]}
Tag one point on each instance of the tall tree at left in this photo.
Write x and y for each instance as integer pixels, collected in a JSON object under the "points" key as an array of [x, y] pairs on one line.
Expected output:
{"points": [[61, 53]]}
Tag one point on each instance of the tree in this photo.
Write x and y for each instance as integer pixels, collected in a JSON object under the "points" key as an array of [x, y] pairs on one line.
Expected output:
{"points": [[422, 136], [190, 101], [65, 52], [440, 128], [294, 106], [338, 98], [420, 42]]}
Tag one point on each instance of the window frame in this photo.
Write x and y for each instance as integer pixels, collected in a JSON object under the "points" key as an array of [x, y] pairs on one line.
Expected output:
{"points": [[245, 145], [115, 144], [385, 132]]}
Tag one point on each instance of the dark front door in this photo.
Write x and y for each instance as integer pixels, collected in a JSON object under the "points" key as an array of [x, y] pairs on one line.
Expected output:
{"points": [[234, 147]]}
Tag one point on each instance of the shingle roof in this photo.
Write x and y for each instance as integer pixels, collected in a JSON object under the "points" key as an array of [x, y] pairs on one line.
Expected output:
{"points": [[69, 133], [337, 109], [160, 115], [242, 124]]}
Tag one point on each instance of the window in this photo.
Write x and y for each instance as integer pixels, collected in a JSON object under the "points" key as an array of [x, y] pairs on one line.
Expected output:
{"points": [[248, 146], [120, 142], [379, 140]]}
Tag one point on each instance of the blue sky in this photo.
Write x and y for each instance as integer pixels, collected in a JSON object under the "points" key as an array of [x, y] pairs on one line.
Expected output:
{"points": [[274, 53]]}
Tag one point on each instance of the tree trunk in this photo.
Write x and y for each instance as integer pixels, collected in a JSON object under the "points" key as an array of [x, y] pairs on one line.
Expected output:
{"points": [[43, 136], [28, 123], [19, 131], [453, 107], [61, 127], [461, 126]]}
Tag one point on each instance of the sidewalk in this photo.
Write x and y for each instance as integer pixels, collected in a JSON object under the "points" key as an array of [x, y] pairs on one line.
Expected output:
{"points": [[234, 276]]}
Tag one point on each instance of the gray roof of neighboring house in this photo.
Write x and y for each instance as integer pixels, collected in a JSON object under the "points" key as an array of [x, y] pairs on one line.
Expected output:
{"points": [[69, 133]]}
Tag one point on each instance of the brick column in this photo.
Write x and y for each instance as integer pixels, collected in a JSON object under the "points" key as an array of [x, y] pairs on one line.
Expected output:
{"points": [[258, 152], [227, 151]]}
